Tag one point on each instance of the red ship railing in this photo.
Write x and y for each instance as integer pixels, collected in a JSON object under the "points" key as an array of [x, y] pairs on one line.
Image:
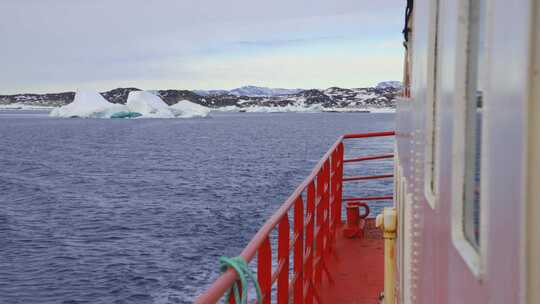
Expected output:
{"points": [[315, 225]]}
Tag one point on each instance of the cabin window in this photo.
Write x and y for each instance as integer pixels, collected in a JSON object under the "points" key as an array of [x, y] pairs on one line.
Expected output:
{"points": [[468, 138], [473, 122], [432, 108]]}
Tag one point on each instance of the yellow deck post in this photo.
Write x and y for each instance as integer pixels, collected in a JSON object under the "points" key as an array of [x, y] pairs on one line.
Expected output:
{"points": [[387, 221]]}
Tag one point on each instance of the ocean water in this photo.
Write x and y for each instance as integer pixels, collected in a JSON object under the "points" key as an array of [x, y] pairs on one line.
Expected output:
{"points": [[138, 211]]}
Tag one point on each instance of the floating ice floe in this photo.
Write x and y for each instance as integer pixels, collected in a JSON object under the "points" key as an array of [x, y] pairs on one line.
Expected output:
{"points": [[22, 106], [284, 109], [302, 108], [227, 109], [148, 105], [188, 109], [88, 104], [382, 110]]}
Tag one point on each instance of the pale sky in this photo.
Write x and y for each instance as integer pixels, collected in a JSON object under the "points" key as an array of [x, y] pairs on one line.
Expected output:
{"points": [[63, 45]]}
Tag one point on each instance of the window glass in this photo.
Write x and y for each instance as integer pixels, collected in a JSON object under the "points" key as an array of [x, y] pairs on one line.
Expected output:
{"points": [[431, 149], [433, 129], [473, 140]]}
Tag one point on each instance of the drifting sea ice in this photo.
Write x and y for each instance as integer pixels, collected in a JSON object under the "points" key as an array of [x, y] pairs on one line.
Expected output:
{"points": [[284, 109], [89, 104]]}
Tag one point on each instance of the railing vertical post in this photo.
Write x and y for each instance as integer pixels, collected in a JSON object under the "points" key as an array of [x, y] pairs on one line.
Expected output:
{"points": [[326, 203], [299, 251], [319, 234], [231, 298], [333, 195], [264, 270], [339, 183], [283, 261], [310, 250]]}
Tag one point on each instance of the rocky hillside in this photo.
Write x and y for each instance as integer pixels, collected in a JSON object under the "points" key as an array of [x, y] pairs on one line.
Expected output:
{"points": [[382, 96]]}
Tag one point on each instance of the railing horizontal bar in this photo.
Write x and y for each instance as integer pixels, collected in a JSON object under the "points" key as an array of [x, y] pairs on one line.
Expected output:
{"points": [[370, 157], [357, 178], [369, 198], [367, 135]]}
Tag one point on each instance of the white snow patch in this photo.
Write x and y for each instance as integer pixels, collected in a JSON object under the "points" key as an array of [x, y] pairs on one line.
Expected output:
{"points": [[88, 104], [188, 109]]}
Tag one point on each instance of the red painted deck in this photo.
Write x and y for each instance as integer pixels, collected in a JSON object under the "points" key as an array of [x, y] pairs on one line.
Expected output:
{"points": [[357, 269]]}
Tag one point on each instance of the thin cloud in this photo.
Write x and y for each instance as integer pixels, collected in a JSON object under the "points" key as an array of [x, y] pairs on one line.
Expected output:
{"points": [[59, 45]]}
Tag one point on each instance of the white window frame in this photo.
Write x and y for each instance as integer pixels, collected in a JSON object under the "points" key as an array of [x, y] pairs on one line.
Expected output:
{"points": [[431, 168], [474, 257]]}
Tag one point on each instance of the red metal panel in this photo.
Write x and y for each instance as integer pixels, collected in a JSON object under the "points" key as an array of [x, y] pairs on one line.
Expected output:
{"points": [[283, 261], [299, 251], [264, 270]]}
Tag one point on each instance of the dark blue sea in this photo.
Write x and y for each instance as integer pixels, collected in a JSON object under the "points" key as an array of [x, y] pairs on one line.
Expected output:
{"points": [[138, 211]]}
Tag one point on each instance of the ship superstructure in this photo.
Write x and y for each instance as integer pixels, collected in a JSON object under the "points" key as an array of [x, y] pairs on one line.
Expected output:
{"points": [[463, 226]]}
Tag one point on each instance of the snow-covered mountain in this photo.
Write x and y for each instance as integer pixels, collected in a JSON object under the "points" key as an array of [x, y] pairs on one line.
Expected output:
{"points": [[382, 96], [251, 91], [389, 84]]}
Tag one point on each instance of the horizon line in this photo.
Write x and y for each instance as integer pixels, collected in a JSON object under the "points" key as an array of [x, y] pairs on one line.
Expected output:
{"points": [[194, 90]]}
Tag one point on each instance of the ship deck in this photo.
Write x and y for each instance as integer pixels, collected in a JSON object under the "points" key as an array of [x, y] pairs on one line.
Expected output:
{"points": [[357, 268]]}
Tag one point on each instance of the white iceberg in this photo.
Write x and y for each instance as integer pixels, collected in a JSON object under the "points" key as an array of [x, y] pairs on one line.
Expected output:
{"points": [[89, 104], [188, 109], [148, 105]]}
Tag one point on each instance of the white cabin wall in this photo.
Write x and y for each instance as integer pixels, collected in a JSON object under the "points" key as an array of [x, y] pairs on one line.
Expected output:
{"points": [[533, 200], [439, 273], [423, 278], [506, 153], [458, 283]]}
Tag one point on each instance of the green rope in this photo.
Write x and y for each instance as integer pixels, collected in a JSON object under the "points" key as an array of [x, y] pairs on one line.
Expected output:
{"points": [[241, 267]]}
